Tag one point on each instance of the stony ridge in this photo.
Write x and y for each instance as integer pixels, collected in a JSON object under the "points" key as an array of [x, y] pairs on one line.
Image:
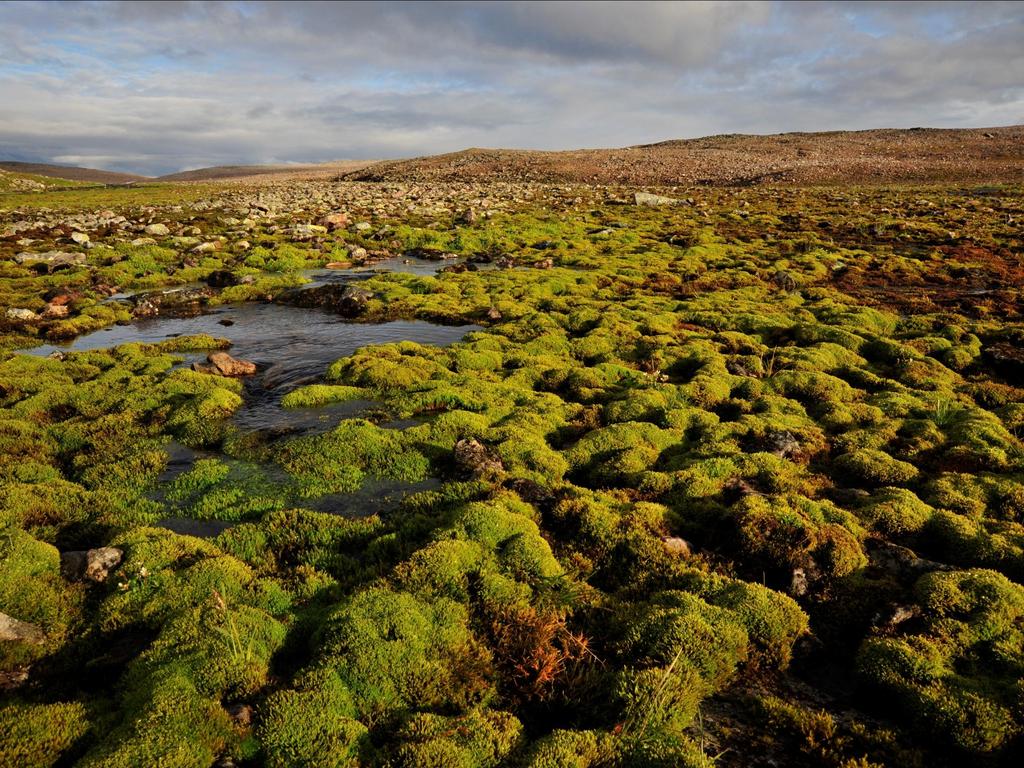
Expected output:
{"points": [[876, 156]]}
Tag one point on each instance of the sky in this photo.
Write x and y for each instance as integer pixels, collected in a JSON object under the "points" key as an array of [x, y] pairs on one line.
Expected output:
{"points": [[158, 87]]}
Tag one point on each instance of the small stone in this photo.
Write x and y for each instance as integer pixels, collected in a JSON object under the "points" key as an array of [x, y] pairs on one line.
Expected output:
{"points": [[364, 226], [21, 314], [646, 198], [140, 241], [80, 237], [676, 546], [56, 311], [157, 230], [798, 583], [334, 221], [493, 314]]}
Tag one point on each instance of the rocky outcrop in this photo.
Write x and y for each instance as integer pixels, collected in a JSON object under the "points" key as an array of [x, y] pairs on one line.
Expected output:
{"points": [[17, 631]]}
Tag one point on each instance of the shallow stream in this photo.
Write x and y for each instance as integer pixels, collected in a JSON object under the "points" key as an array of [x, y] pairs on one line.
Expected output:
{"points": [[291, 347]]}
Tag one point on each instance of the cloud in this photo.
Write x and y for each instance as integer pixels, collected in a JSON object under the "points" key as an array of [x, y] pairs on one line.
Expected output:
{"points": [[159, 87]]}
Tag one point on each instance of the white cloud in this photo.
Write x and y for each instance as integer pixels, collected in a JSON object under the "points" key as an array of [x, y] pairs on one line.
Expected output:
{"points": [[157, 87]]}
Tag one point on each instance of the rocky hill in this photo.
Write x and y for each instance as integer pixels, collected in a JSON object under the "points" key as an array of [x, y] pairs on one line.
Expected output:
{"points": [[875, 156], [70, 172]]}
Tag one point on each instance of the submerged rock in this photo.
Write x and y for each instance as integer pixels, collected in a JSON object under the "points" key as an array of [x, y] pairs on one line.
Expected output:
{"points": [[183, 301], [90, 565], [17, 631], [345, 300], [222, 278]]}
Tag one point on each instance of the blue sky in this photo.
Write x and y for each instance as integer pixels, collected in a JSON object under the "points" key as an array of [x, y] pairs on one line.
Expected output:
{"points": [[161, 87]]}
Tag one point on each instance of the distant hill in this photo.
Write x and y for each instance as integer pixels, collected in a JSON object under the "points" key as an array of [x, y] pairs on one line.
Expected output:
{"points": [[875, 156], [224, 172], [70, 172]]}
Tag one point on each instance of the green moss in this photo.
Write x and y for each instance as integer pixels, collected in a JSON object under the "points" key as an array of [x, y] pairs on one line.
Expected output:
{"points": [[479, 738], [37, 735], [396, 652], [312, 726], [874, 467], [32, 591], [313, 395]]}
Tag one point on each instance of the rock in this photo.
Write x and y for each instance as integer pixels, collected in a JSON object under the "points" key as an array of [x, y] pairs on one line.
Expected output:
{"points": [[357, 254], [467, 217], [306, 231], [505, 262], [140, 241], [544, 264], [895, 615], [646, 198], [784, 281], [474, 459], [242, 714], [493, 314], [185, 302], [530, 491], [1007, 359], [338, 265], [17, 631], [80, 237], [56, 311], [91, 565], [676, 546], [333, 221], [12, 679], [206, 248], [345, 300], [227, 365], [364, 226], [798, 583], [157, 230], [781, 444], [901, 561], [52, 259], [221, 278], [21, 314]]}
